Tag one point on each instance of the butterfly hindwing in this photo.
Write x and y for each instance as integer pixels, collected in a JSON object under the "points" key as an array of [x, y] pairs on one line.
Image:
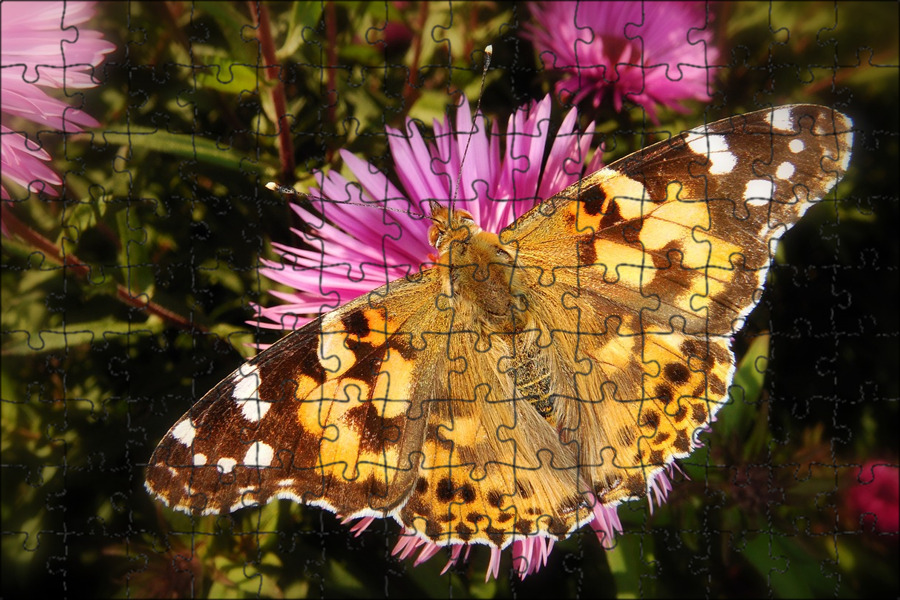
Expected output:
{"points": [[492, 468]]}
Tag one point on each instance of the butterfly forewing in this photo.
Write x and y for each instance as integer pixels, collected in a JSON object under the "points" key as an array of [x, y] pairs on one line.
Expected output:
{"points": [[321, 417], [420, 402], [657, 260]]}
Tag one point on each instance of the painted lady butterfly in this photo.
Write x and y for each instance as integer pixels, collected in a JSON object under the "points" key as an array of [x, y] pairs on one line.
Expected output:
{"points": [[566, 360]]}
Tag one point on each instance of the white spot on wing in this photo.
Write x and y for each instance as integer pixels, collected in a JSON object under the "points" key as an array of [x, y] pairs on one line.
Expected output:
{"points": [[246, 393], [246, 381], [243, 503], [797, 146], [721, 159], [226, 465], [322, 503], [784, 171], [184, 432], [845, 152], [259, 454], [199, 459], [288, 495], [780, 118], [759, 192]]}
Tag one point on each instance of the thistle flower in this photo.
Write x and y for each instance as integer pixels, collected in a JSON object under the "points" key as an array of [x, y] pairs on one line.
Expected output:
{"points": [[353, 250], [43, 47], [648, 53]]}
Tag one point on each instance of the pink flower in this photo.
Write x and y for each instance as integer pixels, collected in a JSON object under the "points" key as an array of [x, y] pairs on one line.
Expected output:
{"points": [[355, 249], [43, 47], [876, 497], [648, 53]]}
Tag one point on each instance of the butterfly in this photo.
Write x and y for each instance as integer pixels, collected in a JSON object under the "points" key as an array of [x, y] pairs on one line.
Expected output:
{"points": [[526, 375]]}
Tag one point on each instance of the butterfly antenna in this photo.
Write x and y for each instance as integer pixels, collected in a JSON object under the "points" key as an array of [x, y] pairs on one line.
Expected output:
{"points": [[488, 52], [283, 189]]}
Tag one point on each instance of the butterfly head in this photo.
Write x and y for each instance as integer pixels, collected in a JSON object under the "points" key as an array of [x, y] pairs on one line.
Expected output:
{"points": [[478, 272], [450, 226]]}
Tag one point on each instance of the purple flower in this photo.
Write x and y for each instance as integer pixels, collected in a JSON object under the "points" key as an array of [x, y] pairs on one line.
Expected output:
{"points": [[354, 250], [43, 47], [648, 53]]}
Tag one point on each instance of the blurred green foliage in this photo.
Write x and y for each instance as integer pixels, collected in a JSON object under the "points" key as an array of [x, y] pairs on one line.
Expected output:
{"points": [[164, 203]]}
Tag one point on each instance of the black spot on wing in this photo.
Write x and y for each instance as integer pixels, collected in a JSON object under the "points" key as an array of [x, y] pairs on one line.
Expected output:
{"points": [[592, 199], [682, 441], [681, 413], [444, 491], [367, 365], [587, 253], [497, 536], [467, 492], [356, 323], [676, 373], [665, 393], [375, 432], [401, 343], [464, 531], [524, 525], [612, 216], [699, 413], [649, 418]]}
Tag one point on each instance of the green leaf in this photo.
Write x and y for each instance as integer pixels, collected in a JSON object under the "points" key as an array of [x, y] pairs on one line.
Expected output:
{"points": [[232, 24], [751, 372], [239, 337], [85, 215], [190, 146], [134, 256], [348, 583], [745, 393], [791, 570], [431, 104], [628, 562], [302, 15], [66, 336], [228, 76]]}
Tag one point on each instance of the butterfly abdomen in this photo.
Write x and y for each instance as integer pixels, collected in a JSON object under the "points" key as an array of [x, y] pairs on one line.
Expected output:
{"points": [[533, 379]]}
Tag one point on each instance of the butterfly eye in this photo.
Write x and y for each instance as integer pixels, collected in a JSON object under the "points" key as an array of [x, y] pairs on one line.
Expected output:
{"points": [[435, 236], [503, 255], [464, 218]]}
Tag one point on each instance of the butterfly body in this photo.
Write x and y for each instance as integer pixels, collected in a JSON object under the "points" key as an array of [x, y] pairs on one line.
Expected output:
{"points": [[527, 374]]}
